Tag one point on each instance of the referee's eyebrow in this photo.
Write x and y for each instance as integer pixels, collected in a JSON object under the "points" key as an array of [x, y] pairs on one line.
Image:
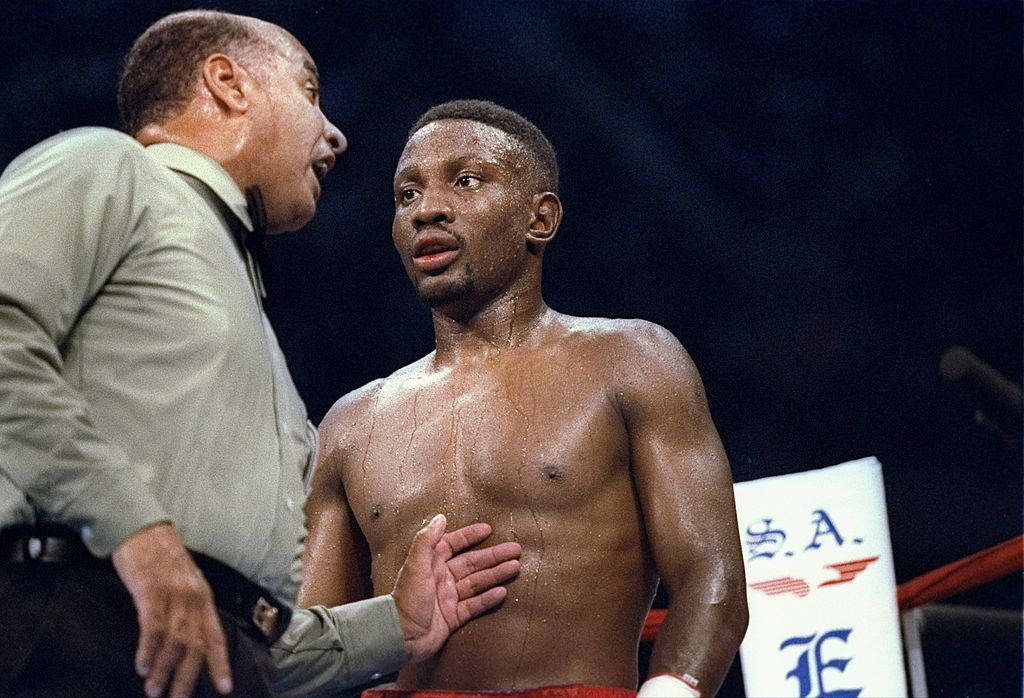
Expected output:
{"points": [[311, 67]]}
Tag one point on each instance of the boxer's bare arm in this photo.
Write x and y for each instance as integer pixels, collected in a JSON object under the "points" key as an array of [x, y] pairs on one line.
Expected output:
{"points": [[684, 486], [336, 564]]}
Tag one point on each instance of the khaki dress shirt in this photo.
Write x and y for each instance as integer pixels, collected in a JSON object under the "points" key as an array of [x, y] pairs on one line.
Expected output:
{"points": [[140, 380]]}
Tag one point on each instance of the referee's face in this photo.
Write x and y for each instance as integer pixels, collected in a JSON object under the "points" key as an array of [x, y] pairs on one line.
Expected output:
{"points": [[294, 144]]}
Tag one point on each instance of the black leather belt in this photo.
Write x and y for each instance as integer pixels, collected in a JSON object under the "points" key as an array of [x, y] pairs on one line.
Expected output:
{"points": [[253, 607], [256, 610]]}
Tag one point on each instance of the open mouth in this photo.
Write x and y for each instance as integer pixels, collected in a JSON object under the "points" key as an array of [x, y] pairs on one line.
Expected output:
{"points": [[434, 251], [322, 165], [434, 248]]}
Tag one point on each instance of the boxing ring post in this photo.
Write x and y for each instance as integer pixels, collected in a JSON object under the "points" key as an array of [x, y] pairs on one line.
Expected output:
{"points": [[910, 622], [962, 575]]}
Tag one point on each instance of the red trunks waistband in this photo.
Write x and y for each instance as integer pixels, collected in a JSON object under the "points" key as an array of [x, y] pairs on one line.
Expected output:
{"points": [[575, 690]]}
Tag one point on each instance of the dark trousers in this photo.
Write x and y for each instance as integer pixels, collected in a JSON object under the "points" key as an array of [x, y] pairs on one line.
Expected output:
{"points": [[70, 629]]}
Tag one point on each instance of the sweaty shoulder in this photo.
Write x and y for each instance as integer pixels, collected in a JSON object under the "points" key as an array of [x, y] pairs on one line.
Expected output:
{"points": [[627, 344], [348, 423], [343, 421], [640, 358]]}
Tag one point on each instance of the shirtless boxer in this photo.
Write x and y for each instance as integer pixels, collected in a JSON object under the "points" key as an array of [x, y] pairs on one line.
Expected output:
{"points": [[586, 440]]}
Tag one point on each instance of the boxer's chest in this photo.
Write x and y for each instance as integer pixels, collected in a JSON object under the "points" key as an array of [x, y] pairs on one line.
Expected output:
{"points": [[514, 439]]}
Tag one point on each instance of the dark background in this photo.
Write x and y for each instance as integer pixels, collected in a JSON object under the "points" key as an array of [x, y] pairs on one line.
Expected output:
{"points": [[817, 199]]}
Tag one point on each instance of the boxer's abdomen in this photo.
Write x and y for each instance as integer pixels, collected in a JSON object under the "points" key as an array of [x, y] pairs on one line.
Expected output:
{"points": [[573, 615]]}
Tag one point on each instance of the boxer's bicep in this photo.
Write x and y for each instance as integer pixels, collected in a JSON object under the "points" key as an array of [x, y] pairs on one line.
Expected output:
{"points": [[336, 563], [684, 486], [680, 469]]}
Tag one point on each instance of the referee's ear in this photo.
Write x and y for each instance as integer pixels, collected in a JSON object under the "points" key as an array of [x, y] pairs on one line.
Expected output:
{"points": [[228, 83]]}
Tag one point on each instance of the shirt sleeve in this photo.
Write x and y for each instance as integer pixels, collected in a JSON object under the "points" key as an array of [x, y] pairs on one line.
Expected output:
{"points": [[68, 213], [327, 650]]}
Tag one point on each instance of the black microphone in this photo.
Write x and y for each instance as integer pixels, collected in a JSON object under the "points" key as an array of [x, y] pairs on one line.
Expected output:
{"points": [[1001, 400]]}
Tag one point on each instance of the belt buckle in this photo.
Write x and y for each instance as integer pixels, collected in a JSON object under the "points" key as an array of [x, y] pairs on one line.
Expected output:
{"points": [[264, 616]]}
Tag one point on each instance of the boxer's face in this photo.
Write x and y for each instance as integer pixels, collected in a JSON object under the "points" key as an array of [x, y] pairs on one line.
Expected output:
{"points": [[294, 144], [461, 210]]}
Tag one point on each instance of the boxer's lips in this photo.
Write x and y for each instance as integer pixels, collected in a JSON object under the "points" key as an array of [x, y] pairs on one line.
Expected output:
{"points": [[434, 251]]}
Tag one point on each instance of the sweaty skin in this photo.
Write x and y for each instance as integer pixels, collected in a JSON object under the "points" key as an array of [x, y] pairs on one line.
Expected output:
{"points": [[586, 440]]}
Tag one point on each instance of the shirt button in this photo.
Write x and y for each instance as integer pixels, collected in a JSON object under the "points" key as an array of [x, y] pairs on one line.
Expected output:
{"points": [[290, 503]]}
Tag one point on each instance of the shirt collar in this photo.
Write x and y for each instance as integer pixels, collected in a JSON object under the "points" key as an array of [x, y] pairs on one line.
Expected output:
{"points": [[207, 170]]}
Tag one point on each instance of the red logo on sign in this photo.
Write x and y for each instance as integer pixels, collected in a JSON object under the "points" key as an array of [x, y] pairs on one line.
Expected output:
{"points": [[848, 570], [790, 585], [783, 585]]}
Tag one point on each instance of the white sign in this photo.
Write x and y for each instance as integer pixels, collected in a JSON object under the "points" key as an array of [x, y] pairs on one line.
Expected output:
{"points": [[820, 585]]}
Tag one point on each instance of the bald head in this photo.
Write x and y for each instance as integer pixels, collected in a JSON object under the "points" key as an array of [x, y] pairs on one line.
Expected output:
{"points": [[162, 68]]}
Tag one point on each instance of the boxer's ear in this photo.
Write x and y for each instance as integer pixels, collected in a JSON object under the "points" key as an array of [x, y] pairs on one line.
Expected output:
{"points": [[227, 82], [545, 215]]}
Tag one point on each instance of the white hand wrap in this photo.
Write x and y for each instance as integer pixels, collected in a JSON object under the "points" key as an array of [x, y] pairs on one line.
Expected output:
{"points": [[668, 686]]}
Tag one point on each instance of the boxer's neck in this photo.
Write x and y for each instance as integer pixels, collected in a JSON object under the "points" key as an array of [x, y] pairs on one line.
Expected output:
{"points": [[508, 322]]}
